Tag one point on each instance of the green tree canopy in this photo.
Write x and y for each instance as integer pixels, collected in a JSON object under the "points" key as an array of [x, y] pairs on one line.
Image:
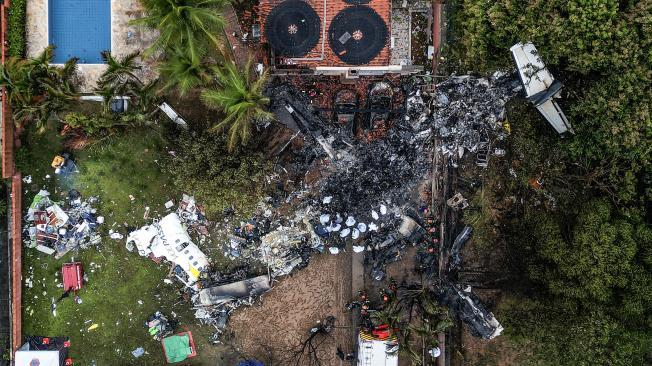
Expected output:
{"points": [[591, 258]]}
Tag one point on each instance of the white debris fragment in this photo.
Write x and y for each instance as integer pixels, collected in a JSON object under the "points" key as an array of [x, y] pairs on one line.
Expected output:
{"points": [[324, 219], [334, 227], [169, 204], [334, 250], [327, 200], [374, 214], [383, 210], [345, 232], [362, 227], [350, 221], [358, 248], [355, 233]]}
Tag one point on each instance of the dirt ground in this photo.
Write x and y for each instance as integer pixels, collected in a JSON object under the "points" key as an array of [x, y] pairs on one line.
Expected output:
{"points": [[270, 330]]}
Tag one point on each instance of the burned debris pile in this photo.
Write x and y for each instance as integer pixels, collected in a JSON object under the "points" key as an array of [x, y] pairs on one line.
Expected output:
{"points": [[61, 227], [469, 112], [469, 308]]}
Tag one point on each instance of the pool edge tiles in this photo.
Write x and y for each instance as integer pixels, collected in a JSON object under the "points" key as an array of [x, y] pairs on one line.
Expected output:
{"points": [[79, 28]]}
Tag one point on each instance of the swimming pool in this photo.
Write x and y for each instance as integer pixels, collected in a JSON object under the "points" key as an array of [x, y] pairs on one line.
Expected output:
{"points": [[79, 28]]}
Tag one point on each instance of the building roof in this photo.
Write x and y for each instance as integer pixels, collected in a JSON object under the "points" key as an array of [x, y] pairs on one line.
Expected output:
{"points": [[347, 34]]}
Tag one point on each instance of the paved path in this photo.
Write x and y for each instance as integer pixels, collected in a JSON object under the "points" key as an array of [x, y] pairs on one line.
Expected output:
{"points": [[239, 50]]}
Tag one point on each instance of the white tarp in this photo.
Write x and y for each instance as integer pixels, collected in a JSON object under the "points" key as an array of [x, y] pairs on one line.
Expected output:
{"points": [[373, 352], [40, 358]]}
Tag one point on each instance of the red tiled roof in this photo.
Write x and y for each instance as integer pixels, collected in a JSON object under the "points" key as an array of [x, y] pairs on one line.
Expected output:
{"points": [[333, 7]]}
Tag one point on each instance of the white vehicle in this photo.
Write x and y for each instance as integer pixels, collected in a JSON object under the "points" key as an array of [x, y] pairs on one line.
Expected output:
{"points": [[373, 351], [540, 86], [169, 239]]}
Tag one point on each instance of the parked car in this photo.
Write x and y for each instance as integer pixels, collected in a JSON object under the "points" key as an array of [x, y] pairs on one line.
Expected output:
{"points": [[346, 103], [379, 102]]}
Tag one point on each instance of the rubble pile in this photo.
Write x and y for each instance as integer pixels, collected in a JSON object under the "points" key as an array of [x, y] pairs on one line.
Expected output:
{"points": [[221, 294], [159, 326], [281, 246], [469, 112], [384, 171], [467, 306], [193, 216], [59, 228]]}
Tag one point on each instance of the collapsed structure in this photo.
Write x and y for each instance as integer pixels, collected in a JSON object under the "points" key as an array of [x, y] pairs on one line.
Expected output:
{"points": [[54, 228]]}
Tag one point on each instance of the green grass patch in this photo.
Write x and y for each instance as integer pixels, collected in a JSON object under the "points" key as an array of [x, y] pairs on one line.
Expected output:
{"points": [[16, 27], [117, 279]]}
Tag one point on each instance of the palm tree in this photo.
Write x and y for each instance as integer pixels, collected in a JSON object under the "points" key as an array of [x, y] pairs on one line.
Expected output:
{"points": [[184, 25], [37, 89], [239, 94], [120, 79], [183, 72], [119, 71]]}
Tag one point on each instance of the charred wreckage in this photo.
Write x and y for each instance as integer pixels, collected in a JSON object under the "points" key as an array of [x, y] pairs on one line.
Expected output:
{"points": [[369, 197]]}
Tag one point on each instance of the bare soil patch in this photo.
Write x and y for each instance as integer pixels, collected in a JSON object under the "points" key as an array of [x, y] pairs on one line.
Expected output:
{"points": [[270, 330]]}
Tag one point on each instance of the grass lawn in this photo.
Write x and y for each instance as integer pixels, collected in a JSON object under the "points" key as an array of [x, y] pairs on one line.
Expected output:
{"points": [[117, 279]]}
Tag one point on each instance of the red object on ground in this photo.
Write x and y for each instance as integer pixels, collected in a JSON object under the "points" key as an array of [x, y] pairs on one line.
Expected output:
{"points": [[72, 274], [190, 341], [382, 332]]}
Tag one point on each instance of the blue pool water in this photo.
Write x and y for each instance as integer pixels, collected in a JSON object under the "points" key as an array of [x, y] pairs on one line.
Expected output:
{"points": [[80, 28]]}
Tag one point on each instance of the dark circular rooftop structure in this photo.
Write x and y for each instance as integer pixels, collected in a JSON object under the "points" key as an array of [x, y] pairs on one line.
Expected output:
{"points": [[292, 28], [357, 34]]}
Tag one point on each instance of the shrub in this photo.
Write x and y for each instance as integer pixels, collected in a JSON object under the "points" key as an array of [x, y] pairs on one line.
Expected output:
{"points": [[202, 166], [16, 28]]}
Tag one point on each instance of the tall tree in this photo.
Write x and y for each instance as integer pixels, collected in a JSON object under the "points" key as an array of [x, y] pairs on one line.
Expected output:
{"points": [[120, 79], [187, 26], [239, 95]]}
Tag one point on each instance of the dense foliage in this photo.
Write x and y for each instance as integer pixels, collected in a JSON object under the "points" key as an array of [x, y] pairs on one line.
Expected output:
{"points": [[16, 28], [583, 240], [201, 165], [38, 89]]}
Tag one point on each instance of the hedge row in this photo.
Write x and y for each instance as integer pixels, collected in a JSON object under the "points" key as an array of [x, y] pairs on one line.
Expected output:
{"points": [[16, 27]]}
